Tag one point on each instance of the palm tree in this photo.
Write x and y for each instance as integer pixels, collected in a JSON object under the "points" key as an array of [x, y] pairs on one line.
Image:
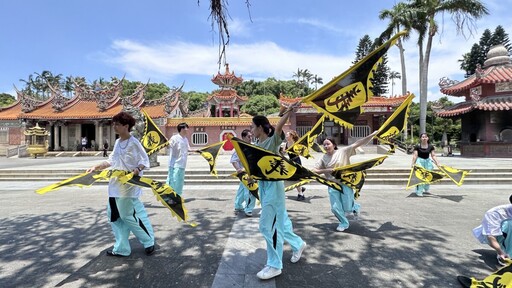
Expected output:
{"points": [[68, 85], [393, 75], [317, 80], [464, 13], [298, 75], [399, 18]]}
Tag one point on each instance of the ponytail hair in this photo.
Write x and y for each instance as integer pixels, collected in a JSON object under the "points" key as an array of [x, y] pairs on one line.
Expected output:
{"points": [[264, 123]]}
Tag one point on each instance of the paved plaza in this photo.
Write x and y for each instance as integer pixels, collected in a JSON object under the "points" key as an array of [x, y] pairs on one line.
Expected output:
{"points": [[59, 239]]}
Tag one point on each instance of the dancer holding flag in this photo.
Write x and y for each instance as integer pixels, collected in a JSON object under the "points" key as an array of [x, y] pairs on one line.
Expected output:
{"points": [[275, 225], [243, 195], [341, 201], [423, 156], [291, 138], [125, 211]]}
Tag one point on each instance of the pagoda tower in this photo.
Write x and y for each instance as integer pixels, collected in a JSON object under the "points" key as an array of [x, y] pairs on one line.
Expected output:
{"points": [[225, 102]]}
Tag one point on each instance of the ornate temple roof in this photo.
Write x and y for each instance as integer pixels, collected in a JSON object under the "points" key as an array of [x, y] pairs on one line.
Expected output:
{"points": [[227, 93], [492, 103], [87, 103], [228, 79], [497, 69]]}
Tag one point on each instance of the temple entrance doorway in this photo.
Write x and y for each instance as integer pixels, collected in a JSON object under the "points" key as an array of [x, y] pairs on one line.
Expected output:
{"points": [[89, 131]]}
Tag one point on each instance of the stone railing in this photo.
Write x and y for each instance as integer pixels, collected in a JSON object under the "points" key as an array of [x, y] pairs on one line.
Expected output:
{"points": [[20, 151]]}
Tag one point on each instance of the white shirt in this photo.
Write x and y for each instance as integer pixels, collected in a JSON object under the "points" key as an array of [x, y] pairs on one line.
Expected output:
{"points": [[127, 155], [178, 153], [491, 224], [340, 158], [236, 159]]}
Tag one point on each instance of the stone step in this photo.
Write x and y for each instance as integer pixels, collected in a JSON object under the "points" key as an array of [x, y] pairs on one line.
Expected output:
{"points": [[499, 176], [234, 182]]}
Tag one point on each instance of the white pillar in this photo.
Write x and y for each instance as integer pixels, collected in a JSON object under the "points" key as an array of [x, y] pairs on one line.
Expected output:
{"points": [[56, 137]]}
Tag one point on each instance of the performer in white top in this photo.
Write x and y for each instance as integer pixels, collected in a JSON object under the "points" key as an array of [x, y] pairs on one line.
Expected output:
{"points": [[178, 153], [125, 211], [495, 229]]}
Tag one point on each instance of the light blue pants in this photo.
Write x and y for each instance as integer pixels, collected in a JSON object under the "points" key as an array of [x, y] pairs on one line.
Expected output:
{"points": [[505, 240], [243, 196], [342, 203], [427, 164], [132, 218], [275, 225], [176, 179]]}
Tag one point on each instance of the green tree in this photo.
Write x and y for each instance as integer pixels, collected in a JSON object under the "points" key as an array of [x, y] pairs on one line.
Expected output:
{"points": [[317, 80], [463, 12], [6, 99], [156, 91], [500, 37], [261, 105], [364, 48], [196, 100], [392, 76], [399, 18], [470, 60], [478, 53], [380, 76]]}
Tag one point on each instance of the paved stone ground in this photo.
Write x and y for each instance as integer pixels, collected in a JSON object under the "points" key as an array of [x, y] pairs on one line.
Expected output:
{"points": [[59, 239]]}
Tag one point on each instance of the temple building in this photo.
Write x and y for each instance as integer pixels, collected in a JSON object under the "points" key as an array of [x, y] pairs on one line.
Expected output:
{"points": [[222, 116], [486, 112], [89, 112]]}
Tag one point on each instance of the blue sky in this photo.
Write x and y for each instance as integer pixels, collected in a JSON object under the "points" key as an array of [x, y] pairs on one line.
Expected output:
{"points": [[172, 41]]}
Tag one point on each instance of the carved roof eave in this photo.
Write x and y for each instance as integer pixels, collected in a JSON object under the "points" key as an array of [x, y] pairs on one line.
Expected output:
{"points": [[492, 103], [169, 100], [491, 75], [456, 110], [28, 103], [138, 95], [59, 102]]}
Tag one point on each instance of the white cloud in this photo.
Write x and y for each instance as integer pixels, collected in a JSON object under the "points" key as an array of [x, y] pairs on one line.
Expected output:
{"points": [[260, 60], [254, 61]]}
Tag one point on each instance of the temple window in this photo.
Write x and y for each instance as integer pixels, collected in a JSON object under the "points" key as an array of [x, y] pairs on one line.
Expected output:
{"points": [[200, 138], [4, 136]]}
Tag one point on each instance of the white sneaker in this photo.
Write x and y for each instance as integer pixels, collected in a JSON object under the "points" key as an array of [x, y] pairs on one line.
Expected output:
{"points": [[248, 214], [340, 229], [501, 261], [268, 272], [297, 254]]}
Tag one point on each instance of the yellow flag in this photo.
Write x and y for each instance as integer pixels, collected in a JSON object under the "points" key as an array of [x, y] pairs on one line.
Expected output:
{"points": [[308, 140], [342, 98], [456, 175], [499, 279], [395, 124], [153, 139], [420, 175], [210, 153]]}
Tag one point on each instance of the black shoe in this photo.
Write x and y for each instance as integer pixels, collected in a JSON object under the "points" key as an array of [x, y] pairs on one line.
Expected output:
{"points": [[150, 250], [112, 253], [303, 189], [301, 197]]}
